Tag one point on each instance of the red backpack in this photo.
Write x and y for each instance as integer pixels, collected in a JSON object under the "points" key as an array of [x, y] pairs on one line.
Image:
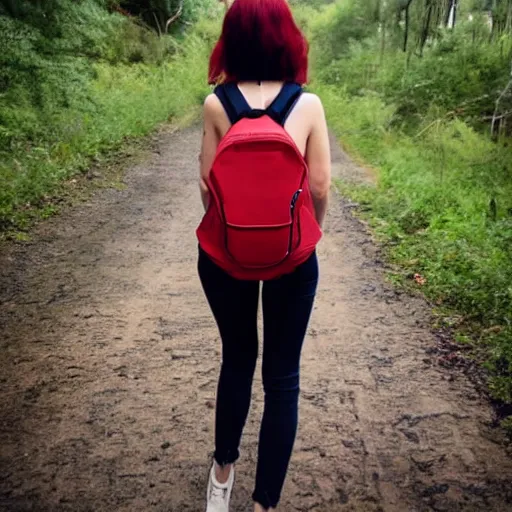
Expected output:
{"points": [[260, 223]]}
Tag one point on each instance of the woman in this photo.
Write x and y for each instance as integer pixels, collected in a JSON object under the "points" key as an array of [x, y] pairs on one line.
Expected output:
{"points": [[260, 50]]}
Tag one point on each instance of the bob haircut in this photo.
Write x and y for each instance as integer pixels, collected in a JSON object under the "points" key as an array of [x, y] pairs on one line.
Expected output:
{"points": [[259, 41]]}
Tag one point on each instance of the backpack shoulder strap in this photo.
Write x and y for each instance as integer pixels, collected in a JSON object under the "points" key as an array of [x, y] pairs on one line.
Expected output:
{"points": [[283, 105], [236, 105], [232, 100]]}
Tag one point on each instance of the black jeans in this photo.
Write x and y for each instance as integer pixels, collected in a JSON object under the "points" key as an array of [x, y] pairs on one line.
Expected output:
{"points": [[287, 305]]}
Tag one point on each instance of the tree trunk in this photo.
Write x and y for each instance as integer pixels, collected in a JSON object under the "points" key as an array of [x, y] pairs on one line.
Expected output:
{"points": [[426, 25], [438, 12], [406, 30], [407, 23], [452, 14], [174, 17], [381, 4], [447, 13]]}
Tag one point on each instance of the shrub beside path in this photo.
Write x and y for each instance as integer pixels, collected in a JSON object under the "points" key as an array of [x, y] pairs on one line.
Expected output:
{"points": [[109, 362]]}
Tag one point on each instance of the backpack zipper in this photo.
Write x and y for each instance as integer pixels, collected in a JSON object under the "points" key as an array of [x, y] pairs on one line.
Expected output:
{"points": [[295, 198]]}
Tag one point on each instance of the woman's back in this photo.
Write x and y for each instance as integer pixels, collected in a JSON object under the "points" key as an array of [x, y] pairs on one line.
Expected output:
{"points": [[259, 96]]}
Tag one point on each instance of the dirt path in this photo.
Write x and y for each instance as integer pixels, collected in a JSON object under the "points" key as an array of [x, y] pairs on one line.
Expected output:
{"points": [[109, 359]]}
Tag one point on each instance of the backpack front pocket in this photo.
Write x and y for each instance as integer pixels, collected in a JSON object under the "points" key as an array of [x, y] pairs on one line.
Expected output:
{"points": [[263, 245], [258, 246]]}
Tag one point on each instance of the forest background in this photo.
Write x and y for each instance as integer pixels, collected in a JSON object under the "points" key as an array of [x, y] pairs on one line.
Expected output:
{"points": [[420, 91]]}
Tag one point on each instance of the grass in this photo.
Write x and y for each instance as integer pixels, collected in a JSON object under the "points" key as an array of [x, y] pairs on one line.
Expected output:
{"points": [[442, 209], [106, 170], [121, 102]]}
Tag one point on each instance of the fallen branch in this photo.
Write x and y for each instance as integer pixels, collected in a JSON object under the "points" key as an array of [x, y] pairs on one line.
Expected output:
{"points": [[172, 19], [458, 110], [157, 24], [502, 116]]}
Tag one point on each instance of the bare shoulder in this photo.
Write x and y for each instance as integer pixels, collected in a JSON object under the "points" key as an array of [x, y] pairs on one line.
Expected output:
{"points": [[212, 106], [312, 105], [312, 101]]}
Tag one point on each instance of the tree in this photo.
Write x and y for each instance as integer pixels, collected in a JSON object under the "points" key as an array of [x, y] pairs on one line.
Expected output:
{"points": [[404, 6], [451, 13], [427, 20]]}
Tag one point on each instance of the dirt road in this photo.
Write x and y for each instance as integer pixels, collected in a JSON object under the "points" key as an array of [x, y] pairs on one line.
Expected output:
{"points": [[109, 359]]}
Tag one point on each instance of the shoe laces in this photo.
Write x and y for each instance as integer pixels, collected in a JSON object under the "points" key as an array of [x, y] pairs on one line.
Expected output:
{"points": [[217, 494]]}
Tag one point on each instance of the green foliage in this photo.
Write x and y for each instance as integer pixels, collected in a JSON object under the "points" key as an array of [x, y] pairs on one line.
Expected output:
{"points": [[431, 208], [156, 13], [454, 76], [51, 16], [443, 202], [462, 74], [339, 24], [65, 97]]}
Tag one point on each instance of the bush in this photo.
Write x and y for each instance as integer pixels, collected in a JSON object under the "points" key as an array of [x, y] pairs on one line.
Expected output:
{"points": [[460, 74], [443, 209], [457, 77], [339, 24], [65, 99]]}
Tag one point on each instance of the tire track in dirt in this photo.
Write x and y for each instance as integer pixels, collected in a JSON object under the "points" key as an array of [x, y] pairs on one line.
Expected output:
{"points": [[109, 362]]}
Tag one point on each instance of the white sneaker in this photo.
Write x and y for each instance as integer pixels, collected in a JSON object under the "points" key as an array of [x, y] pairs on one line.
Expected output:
{"points": [[218, 495]]}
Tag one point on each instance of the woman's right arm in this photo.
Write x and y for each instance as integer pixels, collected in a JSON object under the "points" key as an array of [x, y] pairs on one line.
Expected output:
{"points": [[318, 158]]}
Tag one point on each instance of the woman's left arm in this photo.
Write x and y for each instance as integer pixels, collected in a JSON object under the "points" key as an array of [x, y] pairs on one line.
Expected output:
{"points": [[211, 139]]}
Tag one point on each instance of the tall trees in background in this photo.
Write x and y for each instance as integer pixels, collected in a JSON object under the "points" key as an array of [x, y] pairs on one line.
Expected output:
{"points": [[427, 17], [404, 6], [501, 13], [457, 55], [451, 13]]}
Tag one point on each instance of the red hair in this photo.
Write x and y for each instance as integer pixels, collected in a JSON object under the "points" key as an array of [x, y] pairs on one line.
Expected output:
{"points": [[259, 41]]}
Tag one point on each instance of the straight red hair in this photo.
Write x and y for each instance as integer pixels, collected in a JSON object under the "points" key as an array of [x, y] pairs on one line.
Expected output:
{"points": [[259, 41]]}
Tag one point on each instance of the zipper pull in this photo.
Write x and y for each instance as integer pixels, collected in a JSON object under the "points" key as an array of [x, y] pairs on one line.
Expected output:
{"points": [[295, 198]]}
